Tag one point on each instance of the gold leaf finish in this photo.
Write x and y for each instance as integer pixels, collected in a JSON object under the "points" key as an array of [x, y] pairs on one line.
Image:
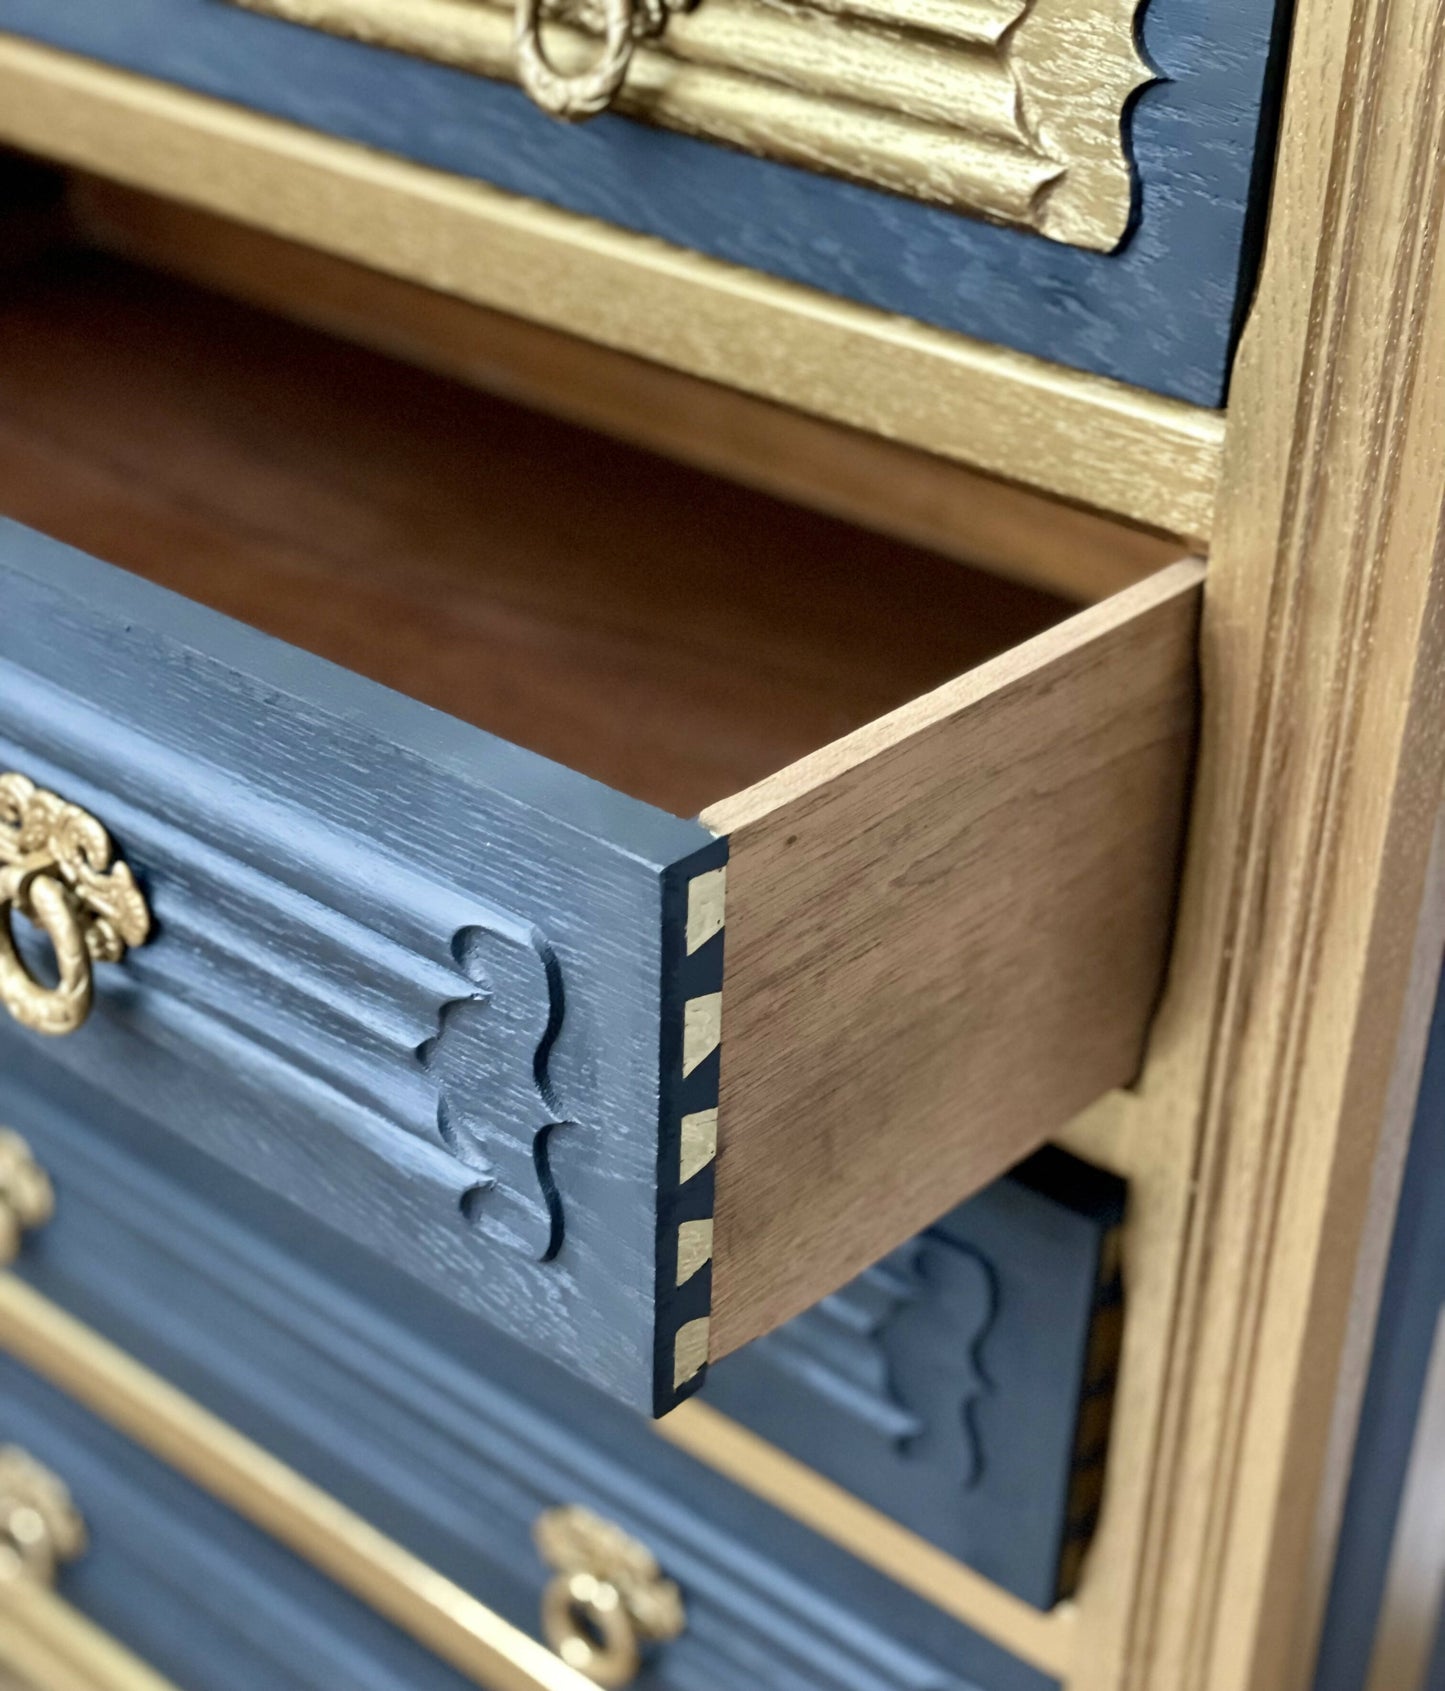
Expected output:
{"points": [[59, 869], [1009, 109]]}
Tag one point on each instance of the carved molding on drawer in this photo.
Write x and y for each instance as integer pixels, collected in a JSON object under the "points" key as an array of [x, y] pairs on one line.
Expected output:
{"points": [[417, 1022], [1011, 110], [861, 1349], [493, 1047]]}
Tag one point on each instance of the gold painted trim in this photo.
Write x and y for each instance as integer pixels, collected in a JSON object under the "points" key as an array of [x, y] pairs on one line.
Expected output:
{"points": [[1077, 436], [1047, 1639], [1010, 109], [423, 1603], [51, 1646]]}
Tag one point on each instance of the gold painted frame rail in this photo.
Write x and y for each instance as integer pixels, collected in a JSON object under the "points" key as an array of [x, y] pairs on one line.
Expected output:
{"points": [[264, 1491], [1082, 438]]}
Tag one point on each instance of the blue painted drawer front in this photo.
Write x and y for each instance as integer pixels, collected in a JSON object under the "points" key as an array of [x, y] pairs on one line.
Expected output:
{"points": [[963, 1384], [1410, 1306], [194, 1591], [373, 924], [1161, 312], [450, 1439]]}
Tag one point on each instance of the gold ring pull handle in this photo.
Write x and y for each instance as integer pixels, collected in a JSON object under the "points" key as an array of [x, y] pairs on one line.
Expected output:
{"points": [[60, 871], [608, 1602], [40, 1527], [27, 1199], [575, 94]]}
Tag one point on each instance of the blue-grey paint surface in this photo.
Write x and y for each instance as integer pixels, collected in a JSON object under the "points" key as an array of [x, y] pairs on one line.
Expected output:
{"points": [[1410, 1305], [946, 1384], [419, 981], [204, 1598], [446, 1435], [1161, 312]]}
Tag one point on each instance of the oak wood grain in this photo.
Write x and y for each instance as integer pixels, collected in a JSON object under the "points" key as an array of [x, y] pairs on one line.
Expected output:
{"points": [[945, 937], [505, 567]]}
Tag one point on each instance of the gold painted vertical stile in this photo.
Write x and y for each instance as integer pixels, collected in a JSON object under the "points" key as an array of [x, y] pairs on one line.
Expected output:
{"points": [[1269, 1105]]}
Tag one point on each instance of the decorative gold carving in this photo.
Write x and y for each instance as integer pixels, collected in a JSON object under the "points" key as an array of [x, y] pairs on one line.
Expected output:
{"points": [[609, 1600], [59, 869], [1009, 109], [27, 1199], [40, 1527]]}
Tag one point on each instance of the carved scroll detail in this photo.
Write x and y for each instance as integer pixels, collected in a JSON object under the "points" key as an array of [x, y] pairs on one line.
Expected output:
{"points": [[490, 1057], [1009, 109], [854, 1348]]}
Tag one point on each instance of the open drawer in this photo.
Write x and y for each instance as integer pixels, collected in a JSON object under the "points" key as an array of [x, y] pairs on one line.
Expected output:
{"points": [[634, 1088]]}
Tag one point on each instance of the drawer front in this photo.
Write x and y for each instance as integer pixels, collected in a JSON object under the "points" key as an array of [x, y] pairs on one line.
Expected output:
{"points": [[182, 1583], [465, 1006], [431, 987], [963, 1386], [378, 1395], [1071, 195]]}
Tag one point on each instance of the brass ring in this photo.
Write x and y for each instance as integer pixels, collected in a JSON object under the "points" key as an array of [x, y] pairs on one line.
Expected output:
{"points": [[586, 1622], [579, 94], [53, 1010]]}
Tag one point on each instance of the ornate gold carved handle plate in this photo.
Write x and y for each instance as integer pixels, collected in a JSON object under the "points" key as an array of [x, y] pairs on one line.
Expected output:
{"points": [[59, 870]]}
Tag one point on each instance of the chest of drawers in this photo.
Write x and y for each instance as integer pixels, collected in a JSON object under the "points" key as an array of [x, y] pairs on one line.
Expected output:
{"points": [[505, 933]]}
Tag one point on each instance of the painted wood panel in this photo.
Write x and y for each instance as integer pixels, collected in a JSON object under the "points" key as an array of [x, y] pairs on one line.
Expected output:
{"points": [[1160, 312], [962, 1385], [429, 985], [449, 1439]]}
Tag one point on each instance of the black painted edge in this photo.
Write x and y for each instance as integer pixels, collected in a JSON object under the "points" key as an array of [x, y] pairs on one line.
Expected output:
{"points": [[686, 978]]}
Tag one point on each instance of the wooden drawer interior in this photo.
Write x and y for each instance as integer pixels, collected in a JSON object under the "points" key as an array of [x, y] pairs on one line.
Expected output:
{"points": [[404, 525], [666, 631]]}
